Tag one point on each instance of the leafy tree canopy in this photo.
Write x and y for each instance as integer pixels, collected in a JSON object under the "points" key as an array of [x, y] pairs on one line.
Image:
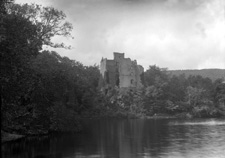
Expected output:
{"points": [[50, 22]]}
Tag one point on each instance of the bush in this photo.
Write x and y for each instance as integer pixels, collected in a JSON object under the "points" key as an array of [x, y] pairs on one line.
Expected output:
{"points": [[64, 119]]}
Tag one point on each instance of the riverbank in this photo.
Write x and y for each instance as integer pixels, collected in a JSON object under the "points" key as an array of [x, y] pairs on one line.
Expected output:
{"points": [[11, 136], [6, 137], [137, 135]]}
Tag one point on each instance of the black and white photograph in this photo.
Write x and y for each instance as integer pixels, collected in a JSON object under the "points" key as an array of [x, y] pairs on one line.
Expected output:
{"points": [[112, 78]]}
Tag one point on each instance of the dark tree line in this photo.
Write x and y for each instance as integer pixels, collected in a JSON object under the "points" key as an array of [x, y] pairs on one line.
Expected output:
{"points": [[192, 95], [164, 94], [40, 90]]}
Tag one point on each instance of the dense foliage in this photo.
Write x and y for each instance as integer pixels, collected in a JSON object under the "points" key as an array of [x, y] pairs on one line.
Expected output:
{"points": [[193, 96], [49, 21], [175, 96], [42, 91]]}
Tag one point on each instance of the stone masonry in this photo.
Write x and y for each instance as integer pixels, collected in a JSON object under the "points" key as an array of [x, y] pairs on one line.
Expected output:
{"points": [[121, 72]]}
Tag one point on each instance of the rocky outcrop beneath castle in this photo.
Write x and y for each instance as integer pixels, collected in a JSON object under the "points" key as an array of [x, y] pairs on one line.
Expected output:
{"points": [[120, 72]]}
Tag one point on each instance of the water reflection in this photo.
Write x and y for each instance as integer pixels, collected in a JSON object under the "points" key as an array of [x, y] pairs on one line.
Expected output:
{"points": [[128, 139]]}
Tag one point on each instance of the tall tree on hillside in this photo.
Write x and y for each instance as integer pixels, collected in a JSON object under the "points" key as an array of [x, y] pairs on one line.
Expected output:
{"points": [[155, 75], [16, 52], [156, 80], [49, 21], [27, 29]]}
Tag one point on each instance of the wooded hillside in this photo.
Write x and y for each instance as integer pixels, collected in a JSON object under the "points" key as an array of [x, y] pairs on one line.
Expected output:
{"points": [[213, 74]]}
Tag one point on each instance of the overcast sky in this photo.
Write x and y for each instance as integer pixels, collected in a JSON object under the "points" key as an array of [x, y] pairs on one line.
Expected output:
{"points": [[177, 34]]}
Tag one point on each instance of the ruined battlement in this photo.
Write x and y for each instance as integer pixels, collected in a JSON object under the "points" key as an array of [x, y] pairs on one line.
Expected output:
{"points": [[121, 72]]}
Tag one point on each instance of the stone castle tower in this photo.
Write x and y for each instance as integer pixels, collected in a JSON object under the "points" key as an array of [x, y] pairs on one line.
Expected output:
{"points": [[121, 72]]}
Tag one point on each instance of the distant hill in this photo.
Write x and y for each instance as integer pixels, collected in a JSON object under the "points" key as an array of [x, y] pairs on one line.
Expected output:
{"points": [[213, 74]]}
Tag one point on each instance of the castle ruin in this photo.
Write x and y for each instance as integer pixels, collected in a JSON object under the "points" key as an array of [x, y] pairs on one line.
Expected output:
{"points": [[121, 72]]}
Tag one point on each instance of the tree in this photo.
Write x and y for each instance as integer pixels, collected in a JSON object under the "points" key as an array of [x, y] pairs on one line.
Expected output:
{"points": [[155, 74], [16, 52], [200, 82], [219, 93], [199, 102], [177, 88], [49, 21], [55, 96], [156, 80], [195, 96], [27, 28], [3, 4]]}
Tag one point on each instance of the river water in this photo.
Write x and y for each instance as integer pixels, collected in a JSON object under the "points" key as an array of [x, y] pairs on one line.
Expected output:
{"points": [[141, 138]]}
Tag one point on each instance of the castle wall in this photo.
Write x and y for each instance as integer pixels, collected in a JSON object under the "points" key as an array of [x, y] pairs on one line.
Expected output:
{"points": [[111, 72], [121, 72], [103, 67], [118, 57], [140, 71], [126, 73]]}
